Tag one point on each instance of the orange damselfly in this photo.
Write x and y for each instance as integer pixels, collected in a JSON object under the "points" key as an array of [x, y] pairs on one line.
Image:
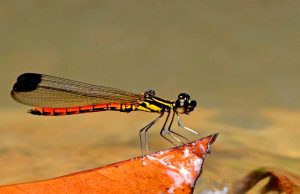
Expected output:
{"points": [[54, 96]]}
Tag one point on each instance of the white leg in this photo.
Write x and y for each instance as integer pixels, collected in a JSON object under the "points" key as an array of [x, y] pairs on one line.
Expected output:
{"points": [[180, 125]]}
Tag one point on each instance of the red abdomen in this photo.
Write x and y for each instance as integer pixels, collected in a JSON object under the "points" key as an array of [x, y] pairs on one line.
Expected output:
{"points": [[82, 109]]}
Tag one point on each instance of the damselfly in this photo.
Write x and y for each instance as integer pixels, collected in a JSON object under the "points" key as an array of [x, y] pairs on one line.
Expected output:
{"points": [[54, 96]]}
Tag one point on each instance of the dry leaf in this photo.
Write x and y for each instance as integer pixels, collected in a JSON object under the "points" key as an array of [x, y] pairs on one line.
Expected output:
{"points": [[279, 180], [171, 171]]}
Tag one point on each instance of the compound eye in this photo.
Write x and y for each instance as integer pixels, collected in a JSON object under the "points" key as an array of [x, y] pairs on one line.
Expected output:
{"points": [[181, 103], [193, 103], [183, 96]]}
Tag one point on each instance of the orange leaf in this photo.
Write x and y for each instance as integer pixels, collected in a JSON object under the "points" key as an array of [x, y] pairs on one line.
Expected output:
{"points": [[170, 171]]}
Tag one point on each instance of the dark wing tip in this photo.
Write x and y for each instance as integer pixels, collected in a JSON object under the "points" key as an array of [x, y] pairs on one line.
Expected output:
{"points": [[27, 82], [29, 76]]}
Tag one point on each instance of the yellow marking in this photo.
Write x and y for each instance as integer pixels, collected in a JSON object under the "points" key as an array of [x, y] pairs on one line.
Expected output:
{"points": [[149, 108], [153, 107], [164, 103], [134, 107], [143, 109], [125, 107]]}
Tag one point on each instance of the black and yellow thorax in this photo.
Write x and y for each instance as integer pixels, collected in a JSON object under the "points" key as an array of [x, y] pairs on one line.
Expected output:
{"points": [[155, 104]]}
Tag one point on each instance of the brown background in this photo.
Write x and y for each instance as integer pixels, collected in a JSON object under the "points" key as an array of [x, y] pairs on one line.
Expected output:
{"points": [[239, 60]]}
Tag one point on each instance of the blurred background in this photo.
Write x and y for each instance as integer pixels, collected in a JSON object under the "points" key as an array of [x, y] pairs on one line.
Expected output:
{"points": [[239, 60]]}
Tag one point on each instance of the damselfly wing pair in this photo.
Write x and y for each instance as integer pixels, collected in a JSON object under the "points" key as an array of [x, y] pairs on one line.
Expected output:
{"points": [[54, 96]]}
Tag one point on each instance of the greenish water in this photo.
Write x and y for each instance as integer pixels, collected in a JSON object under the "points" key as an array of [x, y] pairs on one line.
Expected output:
{"points": [[239, 60]]}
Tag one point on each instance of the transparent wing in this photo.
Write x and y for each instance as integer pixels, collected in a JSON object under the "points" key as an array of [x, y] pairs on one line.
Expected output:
{"points": [[50, 91]]}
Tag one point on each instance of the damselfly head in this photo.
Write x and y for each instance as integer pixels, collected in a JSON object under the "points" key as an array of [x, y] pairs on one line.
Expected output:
{"points": [[184, 104]]}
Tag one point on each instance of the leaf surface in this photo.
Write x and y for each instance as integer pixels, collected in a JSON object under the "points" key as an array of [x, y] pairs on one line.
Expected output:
{"points": [[171, 171]]}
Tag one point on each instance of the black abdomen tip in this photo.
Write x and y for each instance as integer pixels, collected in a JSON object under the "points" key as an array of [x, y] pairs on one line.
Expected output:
{"points": [[35, 112], [27, 82]]}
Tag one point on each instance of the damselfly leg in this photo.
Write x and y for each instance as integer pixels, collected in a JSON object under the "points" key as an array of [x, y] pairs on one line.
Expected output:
{"points": [[145, 129], [184, 127], [173, 132], [170, 131], [165, 130]]}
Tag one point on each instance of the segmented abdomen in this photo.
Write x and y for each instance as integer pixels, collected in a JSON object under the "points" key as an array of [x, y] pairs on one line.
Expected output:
{"points": [[82, 109]]}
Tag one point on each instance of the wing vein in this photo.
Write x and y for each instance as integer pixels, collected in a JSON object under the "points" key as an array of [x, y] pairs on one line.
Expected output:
{"points": [[50, 91]]}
